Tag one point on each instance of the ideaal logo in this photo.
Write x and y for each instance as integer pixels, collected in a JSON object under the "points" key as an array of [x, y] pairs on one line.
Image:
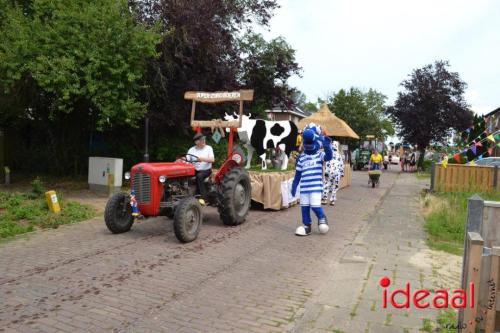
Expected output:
{"points": [[422, 298], [440, 299]]}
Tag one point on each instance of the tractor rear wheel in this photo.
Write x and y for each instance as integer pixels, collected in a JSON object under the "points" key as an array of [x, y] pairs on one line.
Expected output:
{"points": [[118, 213], [187, 220], [236, 194]]}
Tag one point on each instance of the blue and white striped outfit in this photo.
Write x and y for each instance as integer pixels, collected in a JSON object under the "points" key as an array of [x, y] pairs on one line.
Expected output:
{"points": [[311, 168]]}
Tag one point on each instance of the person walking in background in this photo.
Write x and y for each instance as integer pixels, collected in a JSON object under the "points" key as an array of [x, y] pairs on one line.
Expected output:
{"points": [[298, 143], [413, 161], [406, 161], [334, 171], [375, 160]]}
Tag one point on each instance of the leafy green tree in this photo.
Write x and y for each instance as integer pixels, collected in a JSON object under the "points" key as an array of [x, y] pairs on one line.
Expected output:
{"points": [[431, 106], [266, 67], [200, 52], [55, 56], [311, 107], [67, 68], [362, 111]]}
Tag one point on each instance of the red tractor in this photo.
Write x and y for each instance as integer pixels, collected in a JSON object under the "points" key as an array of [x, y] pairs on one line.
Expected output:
{"points": [[169, 189]]}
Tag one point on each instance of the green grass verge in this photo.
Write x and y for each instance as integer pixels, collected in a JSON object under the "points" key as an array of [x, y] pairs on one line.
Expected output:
{"points": [[445, 322], [445, 219], [423, 175], [21, 213]]}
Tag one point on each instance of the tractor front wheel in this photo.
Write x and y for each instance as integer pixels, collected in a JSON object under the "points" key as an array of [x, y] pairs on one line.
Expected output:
{"points": [[118, 213], [236, 194], [187, 220]]}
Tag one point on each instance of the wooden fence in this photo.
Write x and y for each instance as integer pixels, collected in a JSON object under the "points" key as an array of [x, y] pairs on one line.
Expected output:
{"points": [[481, 267], [467, 178]]}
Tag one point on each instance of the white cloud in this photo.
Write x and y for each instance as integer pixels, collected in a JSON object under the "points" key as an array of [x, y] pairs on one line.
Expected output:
{"points": [[376, 44]]}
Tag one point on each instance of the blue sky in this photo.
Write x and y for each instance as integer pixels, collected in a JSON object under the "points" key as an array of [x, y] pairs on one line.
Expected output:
{"points": [[376, 44]]}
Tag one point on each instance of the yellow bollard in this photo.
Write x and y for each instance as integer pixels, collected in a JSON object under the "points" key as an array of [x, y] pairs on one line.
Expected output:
{"points": [[52, 202]]}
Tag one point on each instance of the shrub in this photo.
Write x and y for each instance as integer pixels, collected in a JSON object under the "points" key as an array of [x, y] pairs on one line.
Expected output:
{"points": [[37, 186]]}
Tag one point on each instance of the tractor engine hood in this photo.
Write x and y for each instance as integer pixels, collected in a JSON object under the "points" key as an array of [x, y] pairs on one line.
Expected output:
{"points": [[169, 169]]}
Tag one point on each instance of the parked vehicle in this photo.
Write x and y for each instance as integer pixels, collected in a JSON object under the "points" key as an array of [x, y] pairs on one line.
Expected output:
{"points": [[361, 156], [395, 159], [489, 161]]}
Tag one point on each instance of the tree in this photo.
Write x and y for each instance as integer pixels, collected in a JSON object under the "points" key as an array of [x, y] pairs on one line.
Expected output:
{"points": [[431, 106], [311, 107], [67, 68], [200, 51], [56, 57], [362, 111]]}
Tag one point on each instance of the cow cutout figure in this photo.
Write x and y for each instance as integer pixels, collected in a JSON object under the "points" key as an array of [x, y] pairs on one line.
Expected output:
{"points": [[259, 135]]}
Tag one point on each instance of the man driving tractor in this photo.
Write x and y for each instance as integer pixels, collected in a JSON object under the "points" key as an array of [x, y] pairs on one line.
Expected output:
{"points": [[202, 156]]}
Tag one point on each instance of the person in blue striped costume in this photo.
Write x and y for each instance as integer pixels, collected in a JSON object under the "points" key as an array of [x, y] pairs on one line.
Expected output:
{"points": [[309, 173]]}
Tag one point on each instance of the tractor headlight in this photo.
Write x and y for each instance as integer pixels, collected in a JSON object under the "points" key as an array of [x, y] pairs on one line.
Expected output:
{"points": [[126, 175], [162, 179]]}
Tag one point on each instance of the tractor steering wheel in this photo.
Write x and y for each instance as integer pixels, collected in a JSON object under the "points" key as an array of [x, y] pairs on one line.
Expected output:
{"points": [[196, 158]]}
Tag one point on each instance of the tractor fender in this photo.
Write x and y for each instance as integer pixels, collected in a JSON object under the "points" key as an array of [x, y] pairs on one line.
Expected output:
{"points": [[226, 166]]}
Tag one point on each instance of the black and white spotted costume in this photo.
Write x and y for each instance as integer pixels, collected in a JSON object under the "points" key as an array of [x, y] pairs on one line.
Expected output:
{"points": [[333, 172]]}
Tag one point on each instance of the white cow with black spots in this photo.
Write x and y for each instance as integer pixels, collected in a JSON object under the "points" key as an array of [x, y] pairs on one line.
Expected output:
{"points": [[333, 172], [259, 135]]}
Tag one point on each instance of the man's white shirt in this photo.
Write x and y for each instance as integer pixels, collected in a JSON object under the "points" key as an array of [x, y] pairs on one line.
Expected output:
{"points": [[206, 152]]}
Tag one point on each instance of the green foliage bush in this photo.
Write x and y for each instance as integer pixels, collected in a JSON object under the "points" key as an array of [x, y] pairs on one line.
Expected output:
{"points": [[37, 187], [21, 213]]}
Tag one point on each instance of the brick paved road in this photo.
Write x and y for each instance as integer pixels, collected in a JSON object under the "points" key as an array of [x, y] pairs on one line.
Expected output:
{"points": [[253, 278]]}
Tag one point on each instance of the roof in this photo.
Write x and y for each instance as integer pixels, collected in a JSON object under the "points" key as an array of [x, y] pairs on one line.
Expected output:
{"points": [[492, 112], [294, 110], [333, 125]]}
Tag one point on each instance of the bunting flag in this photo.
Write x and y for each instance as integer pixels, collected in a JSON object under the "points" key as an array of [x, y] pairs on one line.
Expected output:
{"points": [[468, 155], [444, 163], [473, 149]]}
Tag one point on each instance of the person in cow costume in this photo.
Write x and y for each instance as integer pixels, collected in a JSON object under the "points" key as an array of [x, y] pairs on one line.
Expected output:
{"points": [[309, 173], [333, 172]]}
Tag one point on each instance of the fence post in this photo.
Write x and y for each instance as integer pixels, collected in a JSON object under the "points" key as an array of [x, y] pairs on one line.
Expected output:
{"points": [[495, 177], [475, 249], [475, 206], [433, 170]]}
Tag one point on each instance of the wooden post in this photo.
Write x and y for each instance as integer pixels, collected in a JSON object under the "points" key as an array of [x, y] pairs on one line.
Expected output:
{"points": [[193, 108], [495, 177], [433, 176], [475, 251], [493, 283], [241, 114], [474, 224]]}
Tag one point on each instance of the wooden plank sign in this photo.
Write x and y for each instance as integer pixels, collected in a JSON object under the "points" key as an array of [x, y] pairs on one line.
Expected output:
{"points": [[219, 96], [473, 272]]}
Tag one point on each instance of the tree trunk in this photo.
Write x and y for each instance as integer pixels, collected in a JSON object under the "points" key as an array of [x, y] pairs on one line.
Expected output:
{"points": [[420, 163]]}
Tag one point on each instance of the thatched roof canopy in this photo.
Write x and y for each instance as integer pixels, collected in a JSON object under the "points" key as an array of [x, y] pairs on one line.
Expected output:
{"points": [[332, 125]]}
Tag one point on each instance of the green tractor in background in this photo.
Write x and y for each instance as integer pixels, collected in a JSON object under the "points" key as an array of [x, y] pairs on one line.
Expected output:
{"points": [[361, 155]]}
